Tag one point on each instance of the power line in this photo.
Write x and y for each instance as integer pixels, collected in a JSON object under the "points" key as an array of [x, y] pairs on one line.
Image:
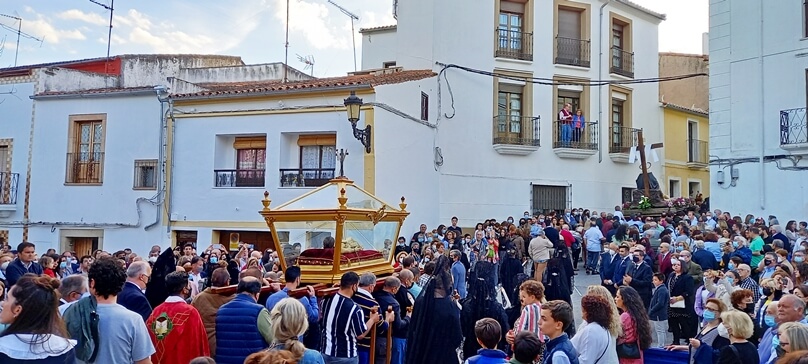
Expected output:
{"points": [[111, 9], [20, 34]]}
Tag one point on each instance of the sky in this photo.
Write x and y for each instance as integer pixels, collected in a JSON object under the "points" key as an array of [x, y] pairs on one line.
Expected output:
{"points": [[254, 30]]}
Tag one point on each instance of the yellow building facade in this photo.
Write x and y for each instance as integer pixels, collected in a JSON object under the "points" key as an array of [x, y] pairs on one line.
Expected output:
{"points": [[686, 170]]}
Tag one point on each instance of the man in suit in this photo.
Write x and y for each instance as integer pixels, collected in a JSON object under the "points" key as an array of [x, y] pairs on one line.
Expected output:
{"points": [[609, 261], [639, 275], [132, 296], [622, 265], [664, 258]]}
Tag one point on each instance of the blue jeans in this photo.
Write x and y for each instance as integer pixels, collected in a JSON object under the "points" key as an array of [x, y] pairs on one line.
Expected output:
{"points": [[399, 351], [335, 360], [364, 355], [592, 260], [566, 133]]}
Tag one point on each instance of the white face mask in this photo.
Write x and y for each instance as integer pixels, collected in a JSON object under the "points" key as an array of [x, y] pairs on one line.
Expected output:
{"points": [[722, 331], [153, 259], [4, 266]]}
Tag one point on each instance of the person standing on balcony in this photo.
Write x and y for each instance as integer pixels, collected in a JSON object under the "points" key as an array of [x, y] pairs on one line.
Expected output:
{"points": [[578, 123], [565, 122]]}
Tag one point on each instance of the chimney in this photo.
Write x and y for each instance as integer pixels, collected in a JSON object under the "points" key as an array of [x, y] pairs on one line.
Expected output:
{"points": [[705, 43]]}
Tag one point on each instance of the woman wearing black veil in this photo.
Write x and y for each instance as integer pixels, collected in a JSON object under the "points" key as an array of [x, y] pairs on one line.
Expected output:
{"points": [[435, 332], [481, 303]]}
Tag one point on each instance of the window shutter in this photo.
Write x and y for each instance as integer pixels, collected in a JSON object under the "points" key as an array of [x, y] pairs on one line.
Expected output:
{"points": [[250, 143], [316, 139], [511, 88], [569, 24], [516, 7]]}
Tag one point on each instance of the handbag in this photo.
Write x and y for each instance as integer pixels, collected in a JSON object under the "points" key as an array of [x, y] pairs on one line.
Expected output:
{"points": [[628, 350], [678, 304]]}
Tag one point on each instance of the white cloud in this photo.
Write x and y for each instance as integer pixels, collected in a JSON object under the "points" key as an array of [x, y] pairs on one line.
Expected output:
{"points": [[92, 18], [320, 27], [42, 27]]}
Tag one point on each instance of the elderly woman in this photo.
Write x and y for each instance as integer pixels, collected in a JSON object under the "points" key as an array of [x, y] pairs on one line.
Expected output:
{"points": [[707, 345], [739, 328], [680, 317], [793, 336]]}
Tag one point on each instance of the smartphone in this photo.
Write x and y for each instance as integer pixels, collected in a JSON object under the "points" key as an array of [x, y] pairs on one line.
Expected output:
{"points": [[218, 246], [251, 246]]}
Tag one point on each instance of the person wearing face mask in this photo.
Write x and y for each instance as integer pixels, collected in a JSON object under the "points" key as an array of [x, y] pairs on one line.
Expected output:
{"points": [[638, 276], [722, 285], [707, 345], [401, 246], [767, 266], [609, 261], [682, 321], [692, 269], [132, 296], [5, 260], [175, 327], [768, 333]]}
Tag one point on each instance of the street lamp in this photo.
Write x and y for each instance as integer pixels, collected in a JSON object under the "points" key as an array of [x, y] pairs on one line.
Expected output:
{"points": [[353, 105]]}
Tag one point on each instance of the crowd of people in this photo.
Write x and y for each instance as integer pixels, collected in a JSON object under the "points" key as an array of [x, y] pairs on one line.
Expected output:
{"points": [[725, 289]]}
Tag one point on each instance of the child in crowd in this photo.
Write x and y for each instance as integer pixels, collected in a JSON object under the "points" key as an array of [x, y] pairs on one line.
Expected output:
{"points": [[658, 312], [488, 334], [526, 348], [556, 316]]}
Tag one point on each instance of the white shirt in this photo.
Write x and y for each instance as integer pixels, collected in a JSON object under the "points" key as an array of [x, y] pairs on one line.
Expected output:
{"points": [[619, 214], [593, 236], [592, 342]]}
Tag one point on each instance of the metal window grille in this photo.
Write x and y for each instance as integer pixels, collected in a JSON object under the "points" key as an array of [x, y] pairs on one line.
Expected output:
{"points": [[146, 174], [549, 198]]}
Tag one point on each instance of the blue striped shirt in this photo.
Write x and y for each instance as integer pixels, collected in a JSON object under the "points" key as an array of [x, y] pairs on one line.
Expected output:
{"points": [[342, 323]]}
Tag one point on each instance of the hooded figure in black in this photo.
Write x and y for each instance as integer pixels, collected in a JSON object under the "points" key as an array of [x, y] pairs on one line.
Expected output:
{"points": [[481, 303], [435, 332], [509, 268], [156, 291]]}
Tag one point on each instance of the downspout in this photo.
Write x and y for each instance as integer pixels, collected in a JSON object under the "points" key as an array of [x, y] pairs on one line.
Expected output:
{"points": [[170, 160], [762, 118], [600, 77], [162, 154]]}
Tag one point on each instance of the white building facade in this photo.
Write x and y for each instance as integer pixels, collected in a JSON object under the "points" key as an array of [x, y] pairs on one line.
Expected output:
{"points": [[499, 149], [758, 133]]}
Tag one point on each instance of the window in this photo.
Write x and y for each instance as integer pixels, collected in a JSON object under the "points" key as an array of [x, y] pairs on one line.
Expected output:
{"points": [[250, 164], [618, 122], [694, 189], [627, 194], [674, 188], [509, 110], [424, 106], [145, 174], [317, 162], [568, 97], [389, 64], [622, 56], [513, 38], [549, 198], [805, 18], [85, 155], [4, 158]]}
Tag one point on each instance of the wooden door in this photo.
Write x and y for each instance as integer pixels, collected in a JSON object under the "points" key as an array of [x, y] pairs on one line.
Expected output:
{"points": [[84, 246]]}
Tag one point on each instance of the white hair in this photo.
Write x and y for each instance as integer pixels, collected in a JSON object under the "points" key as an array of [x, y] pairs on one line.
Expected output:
{"points": [[137, 268]]}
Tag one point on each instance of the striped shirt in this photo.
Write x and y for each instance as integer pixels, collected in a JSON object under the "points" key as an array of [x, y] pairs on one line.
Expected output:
{"points": [[342, 322], [529, 320]]}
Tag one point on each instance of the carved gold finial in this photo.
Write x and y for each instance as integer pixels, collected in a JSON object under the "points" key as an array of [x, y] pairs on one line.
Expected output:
{"points": [[403, 204], [342, 199], [266, 201]]}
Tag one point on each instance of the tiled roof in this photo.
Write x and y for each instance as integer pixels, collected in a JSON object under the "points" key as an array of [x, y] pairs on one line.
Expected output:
{"points": [[693, 110], [97, 91], [370, 79], [377, 29], [643, 9]]}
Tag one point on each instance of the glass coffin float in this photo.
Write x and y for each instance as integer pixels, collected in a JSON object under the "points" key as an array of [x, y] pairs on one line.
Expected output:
{"points": [[334, 229]]}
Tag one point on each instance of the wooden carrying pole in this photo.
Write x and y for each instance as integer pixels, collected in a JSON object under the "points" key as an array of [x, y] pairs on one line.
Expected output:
{"points": [[373, 311], [389, 337]]}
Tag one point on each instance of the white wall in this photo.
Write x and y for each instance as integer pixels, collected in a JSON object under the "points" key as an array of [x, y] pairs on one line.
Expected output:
{"points": [[749, 85], [15, 124], [132, 132], [379, 47]]}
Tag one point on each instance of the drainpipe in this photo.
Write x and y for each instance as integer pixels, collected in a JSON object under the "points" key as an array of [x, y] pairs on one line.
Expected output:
{"points": [[600, 77], [762, 117], [161, 160], [170, 167]]}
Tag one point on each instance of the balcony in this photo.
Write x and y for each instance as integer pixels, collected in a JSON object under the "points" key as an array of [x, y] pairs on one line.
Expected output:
{"points": [[85, 168], [572, 52], [513, 44], [698, 156], [575, 141], [306, 177], [239, 177], [621, 140], [516, 135], [794, 131], [8, 193], [622, 62]]}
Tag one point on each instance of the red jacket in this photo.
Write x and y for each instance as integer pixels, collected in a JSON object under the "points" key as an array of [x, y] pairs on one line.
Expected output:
{"points": [[568, 238], [665, 263]]}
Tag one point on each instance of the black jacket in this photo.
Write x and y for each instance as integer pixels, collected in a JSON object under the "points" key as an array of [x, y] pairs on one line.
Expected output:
{"points": [[401, 323], [641, 281], [134, 300], [684, 287]]}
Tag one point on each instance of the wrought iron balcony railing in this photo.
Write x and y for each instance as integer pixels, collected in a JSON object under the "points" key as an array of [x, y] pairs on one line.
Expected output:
{"points": [[239, 177], [621, 139], [8, 188], [622, 62], [570, 134], [793, 127], [85, 167], [306, 177], [514, 44], [697, 152], [573, 52], [516, 130]]}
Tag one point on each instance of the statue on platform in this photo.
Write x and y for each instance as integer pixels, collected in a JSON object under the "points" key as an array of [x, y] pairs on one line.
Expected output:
{"points": [[652, 181]]}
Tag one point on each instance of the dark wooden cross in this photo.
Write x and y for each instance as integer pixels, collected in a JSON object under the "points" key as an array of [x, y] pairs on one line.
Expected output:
{"points": [[341, 157], [646, 182]]}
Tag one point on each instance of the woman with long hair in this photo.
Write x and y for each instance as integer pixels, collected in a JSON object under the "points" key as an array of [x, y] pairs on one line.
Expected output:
{"points": [[289, 322], [428, 341], [620, 235], [636, 325], [615, 326], [35, 332], [480, 303], [793, 336], [593, 341]]}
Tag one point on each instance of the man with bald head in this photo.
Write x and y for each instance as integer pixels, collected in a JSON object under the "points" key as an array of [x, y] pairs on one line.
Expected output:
{"points": [[399, 323], [133, 295], [242, 325]]}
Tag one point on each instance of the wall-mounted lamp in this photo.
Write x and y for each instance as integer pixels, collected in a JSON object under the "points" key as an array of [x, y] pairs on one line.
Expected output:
{"points": [[353, 105]]}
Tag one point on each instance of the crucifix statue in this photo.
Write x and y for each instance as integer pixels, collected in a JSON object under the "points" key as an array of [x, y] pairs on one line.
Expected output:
{"points": [[341, 158], [646, 181]]}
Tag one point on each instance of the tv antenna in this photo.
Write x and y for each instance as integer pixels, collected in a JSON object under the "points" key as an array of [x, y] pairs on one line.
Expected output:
{"points": [[308, 61], [353, 17], [111, 8], [20, 34]]}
